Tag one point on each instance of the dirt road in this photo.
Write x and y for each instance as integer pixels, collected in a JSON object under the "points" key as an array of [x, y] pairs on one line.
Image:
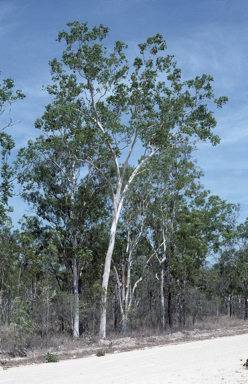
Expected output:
{"points": [[215, 361]]}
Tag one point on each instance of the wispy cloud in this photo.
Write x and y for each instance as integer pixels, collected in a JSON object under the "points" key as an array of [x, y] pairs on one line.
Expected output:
{"points": [[214, 50], [9, 22], [205, 36]]}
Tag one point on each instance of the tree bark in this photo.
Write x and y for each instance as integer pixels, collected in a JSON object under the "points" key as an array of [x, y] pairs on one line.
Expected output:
{"points": [[229, 306], [118, 200], [123, 296], [246, 307], [9, 307], [169, 308], [76, 299], [105, 280], [74, 261], [162, 296]]}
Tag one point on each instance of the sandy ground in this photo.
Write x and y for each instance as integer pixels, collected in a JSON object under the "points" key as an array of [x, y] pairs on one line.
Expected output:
{"points": [[68, 348], [214, 361]]}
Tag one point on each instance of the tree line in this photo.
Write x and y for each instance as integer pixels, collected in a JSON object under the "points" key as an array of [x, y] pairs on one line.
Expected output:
{"points": [[121, 226]]}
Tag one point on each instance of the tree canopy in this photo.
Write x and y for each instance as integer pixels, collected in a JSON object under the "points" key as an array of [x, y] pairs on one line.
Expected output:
{"points": [[122, 225]]}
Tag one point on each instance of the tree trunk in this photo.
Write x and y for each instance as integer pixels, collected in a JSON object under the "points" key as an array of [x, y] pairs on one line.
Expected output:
{"points": [[105, 279], [124, 323], [116, 308], [229, 307], [123, 285], [246, 307], [123, 281], [169, 307], [184, 311], [47, 314], [128, 295], [75, 266], [9, 308], [76, 299], [162, 296]]}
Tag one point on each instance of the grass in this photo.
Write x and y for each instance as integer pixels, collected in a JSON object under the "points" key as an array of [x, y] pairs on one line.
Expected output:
{"points": [[61, 345]]}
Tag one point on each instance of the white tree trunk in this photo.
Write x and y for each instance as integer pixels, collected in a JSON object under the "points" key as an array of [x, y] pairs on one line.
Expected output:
{"points": [[76, 300], [126, 300], [105, 279], [162, 296], [118, 200], [75, 266]]}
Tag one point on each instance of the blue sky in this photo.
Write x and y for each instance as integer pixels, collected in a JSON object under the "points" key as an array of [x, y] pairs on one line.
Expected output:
{"points": [[206, 36]]}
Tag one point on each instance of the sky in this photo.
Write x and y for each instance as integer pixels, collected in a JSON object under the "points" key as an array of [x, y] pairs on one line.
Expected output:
{"points": [[205, 36]]}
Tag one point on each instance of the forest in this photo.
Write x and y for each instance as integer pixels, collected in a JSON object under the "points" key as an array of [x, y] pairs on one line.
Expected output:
{"points": [[122, 236]]}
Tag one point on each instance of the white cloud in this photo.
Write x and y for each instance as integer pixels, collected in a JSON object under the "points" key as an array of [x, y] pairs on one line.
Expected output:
{"points": [[213, 49]]}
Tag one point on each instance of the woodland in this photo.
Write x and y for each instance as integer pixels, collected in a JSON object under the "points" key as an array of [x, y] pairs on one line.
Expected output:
{"points": [[123, 235]]}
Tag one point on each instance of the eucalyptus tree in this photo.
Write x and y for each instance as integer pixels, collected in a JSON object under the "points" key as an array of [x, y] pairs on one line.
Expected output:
{"points": [[14, 281], [70, 204], [7, 172], [8, 272], [189, 254], [133, 243], [122, 109], [241, 266], [242, 261], [186, 224], [201, 226], [229, 277], [233, 262], [175, 182]]}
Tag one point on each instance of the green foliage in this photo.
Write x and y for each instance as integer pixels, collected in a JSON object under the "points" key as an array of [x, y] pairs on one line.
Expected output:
{"points": [[51, 357], [7, 171], [7, 95], [22, 325], [88, 104], [101, 105]]}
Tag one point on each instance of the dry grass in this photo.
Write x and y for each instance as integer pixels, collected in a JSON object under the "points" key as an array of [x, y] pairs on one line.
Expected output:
{"points": [[90, 344], [219, 322]]}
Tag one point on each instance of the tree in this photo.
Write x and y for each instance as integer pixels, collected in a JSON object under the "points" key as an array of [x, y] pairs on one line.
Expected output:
{"points": [[120, 110], [173, 176], [8, 273], [7, 172], [233, 262], [70, 204], [133, 244]]}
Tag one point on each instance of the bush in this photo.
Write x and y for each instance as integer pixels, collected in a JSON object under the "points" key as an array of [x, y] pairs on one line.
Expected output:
{"points": [[51, 357], [101, 352]]}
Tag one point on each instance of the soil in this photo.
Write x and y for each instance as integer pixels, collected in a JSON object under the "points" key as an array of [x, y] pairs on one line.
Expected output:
{"points": [[85, 347]]}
